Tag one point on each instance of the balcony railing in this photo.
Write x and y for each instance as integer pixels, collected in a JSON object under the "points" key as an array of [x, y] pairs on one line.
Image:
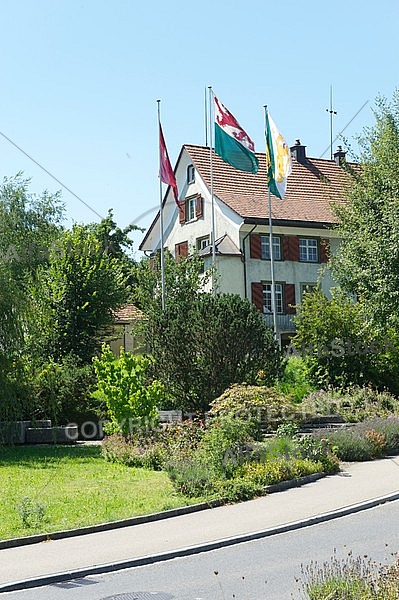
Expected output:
{"points": [[284, 322]]}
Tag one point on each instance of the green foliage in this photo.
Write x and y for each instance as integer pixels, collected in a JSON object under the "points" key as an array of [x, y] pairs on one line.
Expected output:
{"points": [[61, 391], [31, 512], [271, 472], [295, 381], [263, 404], [367, 261], [364, 441], [354, 404], [223, 435], [75, 294], [203, 343], [288, 429], [124, 386], [350, 578], [192, 477]]}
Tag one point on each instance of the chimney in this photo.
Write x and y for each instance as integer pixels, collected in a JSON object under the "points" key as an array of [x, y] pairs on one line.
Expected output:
{"points": [[339, 156], [298, 152]]}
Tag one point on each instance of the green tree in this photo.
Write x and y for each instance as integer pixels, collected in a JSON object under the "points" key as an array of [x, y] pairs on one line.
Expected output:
{"points": [[203, 343], [74, 295], [367, 261], [339, 346]]}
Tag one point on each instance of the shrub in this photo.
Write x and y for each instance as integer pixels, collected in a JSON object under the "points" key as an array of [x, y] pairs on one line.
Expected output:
{"points": [[124, 386], [192, 477], [355, 443], [295, 382], [353, 404], [269, 472], [62, 391], [257, 403], [224, 435], [389, 428], [140, 451]]}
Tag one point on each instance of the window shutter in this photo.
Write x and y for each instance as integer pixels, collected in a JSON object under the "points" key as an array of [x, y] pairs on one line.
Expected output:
{"points": [[255, 246], [257, 295], [291, 247], [289, 298], [181, 250], [198, 207], [182, 212], [324, 250]]}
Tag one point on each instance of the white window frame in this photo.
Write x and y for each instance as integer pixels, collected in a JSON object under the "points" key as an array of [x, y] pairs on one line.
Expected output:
{"points": [[308, 250], [191, 208], [203, 242], [190, 174], [267, 297], [265, 249]]}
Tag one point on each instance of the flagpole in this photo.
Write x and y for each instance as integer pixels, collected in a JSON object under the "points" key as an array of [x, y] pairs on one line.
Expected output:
{"points": [[212, 194], [163, 287], [273, 285]]}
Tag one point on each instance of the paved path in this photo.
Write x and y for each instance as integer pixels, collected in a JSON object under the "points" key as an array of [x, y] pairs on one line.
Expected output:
{"points": [[356, 484]]}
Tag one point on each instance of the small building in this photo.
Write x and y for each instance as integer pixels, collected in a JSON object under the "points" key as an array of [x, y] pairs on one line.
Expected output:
{"points": [[126, 332]]}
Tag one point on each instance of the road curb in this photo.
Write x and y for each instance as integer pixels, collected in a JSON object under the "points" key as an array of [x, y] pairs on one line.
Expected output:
{"points": [[190, 550], [166, 514]]}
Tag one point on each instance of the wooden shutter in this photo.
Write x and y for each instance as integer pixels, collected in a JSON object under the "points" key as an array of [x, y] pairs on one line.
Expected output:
{"points": [[181, 250], [291, 247], [182, 212], [257, 295], [198, 207], [324, 250], [289, 298], [255, 246]]}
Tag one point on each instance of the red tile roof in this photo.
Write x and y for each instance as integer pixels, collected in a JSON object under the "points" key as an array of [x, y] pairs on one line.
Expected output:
{"points": [[311, 187], [127, 313]]}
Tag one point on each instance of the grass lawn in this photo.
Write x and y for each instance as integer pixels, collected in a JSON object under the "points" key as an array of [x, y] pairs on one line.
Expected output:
{"points": [[75, 487]]}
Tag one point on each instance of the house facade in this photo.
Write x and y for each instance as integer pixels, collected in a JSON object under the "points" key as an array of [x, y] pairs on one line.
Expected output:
{"points": [[302, 224]]}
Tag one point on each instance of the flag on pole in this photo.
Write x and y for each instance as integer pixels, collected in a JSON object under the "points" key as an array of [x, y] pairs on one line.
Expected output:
{"points": [[278, 159], [166, 173], [232, 143]]}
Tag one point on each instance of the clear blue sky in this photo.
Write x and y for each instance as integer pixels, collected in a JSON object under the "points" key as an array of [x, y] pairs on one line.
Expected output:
{"points": [[80, 80]]}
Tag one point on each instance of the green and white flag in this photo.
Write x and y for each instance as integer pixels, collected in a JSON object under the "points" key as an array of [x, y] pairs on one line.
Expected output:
{"points": [[278, 159], [232, 143]]}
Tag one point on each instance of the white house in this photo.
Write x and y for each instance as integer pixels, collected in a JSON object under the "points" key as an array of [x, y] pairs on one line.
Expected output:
{"points": [[302, 235]]}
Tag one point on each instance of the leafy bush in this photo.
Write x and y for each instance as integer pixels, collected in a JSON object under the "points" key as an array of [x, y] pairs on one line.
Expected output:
{"points": [[192, 477], [388, 428], [353, 404], [224, 435], [355, 443], [61, 391], [122, 383], [141, 451], [153, 448], [295, 382], [269, 472], [262, 404]]}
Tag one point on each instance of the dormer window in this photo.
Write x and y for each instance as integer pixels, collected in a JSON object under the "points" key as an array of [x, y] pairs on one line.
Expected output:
{"points": [[190, 174]]}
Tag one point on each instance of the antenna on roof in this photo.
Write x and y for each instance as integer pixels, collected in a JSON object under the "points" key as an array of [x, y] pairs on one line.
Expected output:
{"points": [[332, 113]]}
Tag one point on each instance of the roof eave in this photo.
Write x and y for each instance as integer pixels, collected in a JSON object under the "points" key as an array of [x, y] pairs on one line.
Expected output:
{"points": [[288, 223]]}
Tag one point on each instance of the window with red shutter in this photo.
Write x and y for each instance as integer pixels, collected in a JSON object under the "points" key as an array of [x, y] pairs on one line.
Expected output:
{"points": [[257, 294], [182, 213], [289, 298], [255, 246], [291, 247], [181, 250], [324, 250], [199, 207]]}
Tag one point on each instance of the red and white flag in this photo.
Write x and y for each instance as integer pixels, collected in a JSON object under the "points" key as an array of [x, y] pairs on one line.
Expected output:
{"points": [[165, 168]]}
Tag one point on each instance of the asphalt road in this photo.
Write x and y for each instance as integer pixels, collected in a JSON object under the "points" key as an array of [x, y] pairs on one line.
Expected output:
{"points": [[263, 569]]}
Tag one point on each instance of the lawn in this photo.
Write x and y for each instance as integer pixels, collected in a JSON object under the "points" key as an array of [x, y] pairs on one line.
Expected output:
{"points": [[62, 487]]}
